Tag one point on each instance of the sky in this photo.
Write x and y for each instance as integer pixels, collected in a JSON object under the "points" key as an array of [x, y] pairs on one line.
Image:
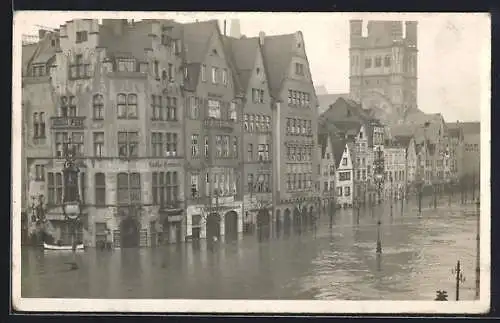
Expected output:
{"points": [[453, 59]]}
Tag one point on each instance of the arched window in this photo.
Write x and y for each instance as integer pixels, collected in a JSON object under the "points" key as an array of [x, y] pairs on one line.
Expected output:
{"points": [[98, 105], [100, 189]]}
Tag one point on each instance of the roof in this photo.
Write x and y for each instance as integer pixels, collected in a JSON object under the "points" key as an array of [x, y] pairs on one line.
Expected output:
{"points": [[348, 127], [471, 127], [28, 51], [242, 52], [131, 42], [338, 147], [325, 100], [403, 141], [196, 37], [277, 54]]}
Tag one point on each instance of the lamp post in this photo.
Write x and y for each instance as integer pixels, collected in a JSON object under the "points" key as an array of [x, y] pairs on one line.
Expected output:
{"points": [[71, 200], [379, 181], [38, 217], [459, 278]]}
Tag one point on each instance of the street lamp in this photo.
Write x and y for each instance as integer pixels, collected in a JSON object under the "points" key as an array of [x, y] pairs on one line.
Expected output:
{"points": [[71, 201], [459, 278], [379, 180]]}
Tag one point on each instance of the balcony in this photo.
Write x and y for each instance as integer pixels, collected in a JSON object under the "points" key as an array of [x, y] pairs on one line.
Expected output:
{"points": [[227, 125], [67, 122]]}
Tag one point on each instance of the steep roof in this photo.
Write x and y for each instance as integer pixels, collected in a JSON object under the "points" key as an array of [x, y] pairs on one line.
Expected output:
{"points": [[277, 52], [130, 43], [325, 100], [242, 52], [403, 141], [28, 51], [338, 147]]}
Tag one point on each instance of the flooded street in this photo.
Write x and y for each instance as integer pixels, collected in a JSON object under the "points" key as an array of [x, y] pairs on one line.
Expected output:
{"points": [[336, 261]]}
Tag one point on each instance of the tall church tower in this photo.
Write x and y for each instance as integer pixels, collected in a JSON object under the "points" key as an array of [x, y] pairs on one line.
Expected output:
{"points": [[383, 68]]}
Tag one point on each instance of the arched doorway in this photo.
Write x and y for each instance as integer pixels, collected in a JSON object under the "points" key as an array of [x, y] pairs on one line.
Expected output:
{"points": [[129, 232], [278, 222], [231, 226], [213, 226], [287, 221], [263, 223], [296, 220]]}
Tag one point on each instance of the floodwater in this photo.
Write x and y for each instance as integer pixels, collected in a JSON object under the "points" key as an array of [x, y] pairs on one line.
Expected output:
{"points": [[333, 261]]}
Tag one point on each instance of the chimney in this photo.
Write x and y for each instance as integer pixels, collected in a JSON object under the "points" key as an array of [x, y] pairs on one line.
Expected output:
{"points": [[262, 36], [235, 28], [41, 33]]}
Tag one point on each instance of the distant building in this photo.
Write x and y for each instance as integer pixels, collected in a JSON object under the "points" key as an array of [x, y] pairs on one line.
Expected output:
{"points": [[345, 169], [395, 170], [408, 142], [383, 68], [327, 172], [472, 148]]}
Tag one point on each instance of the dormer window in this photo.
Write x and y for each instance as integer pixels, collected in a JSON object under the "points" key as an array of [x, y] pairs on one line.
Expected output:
{"points": [[81, 36], [299, 69], [39, 70]]}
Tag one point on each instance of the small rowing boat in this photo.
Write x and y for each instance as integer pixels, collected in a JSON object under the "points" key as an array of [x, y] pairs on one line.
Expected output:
{"points": [[62, 248]]}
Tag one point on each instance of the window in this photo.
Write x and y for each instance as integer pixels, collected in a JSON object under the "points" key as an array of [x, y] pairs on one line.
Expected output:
{"points": [[171, 144], [206, 146], [257, 96], [224, 76], [36, 125], [158, 188], [79, 69], [39, 173], [100, 189], [127, 106], [261, 152], [364, 174], [171, 108], [368, 62], [290, 94], [235, 147], [81, 36], [347, 191], [218, 146], [68, 106], [171, 72], [61, 139], [214, 109], [156, 107], [129, 65], [299, 69], [203, 73], [344, 176], [129, 188], [128, 144], [38, 70], [98, 104], [358, 174], [195, 185], [378, 61], [387, 61], [54, 188], [98, 144], [172, 188], [195, 153], [215, 71], [250, 152], [344, 161], [157, 144], [225, 146], [77, 142], [232, 111]]}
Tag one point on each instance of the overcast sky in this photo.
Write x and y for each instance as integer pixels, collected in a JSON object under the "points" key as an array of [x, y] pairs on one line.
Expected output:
{"points": [[454, 50]]}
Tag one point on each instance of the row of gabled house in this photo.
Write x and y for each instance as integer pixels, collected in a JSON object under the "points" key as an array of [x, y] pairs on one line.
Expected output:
{"points": [[423, 152], [181, 132]]}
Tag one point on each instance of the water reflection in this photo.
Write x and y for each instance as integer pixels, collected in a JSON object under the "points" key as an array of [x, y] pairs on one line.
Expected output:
{"points": [[332, 257]]}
